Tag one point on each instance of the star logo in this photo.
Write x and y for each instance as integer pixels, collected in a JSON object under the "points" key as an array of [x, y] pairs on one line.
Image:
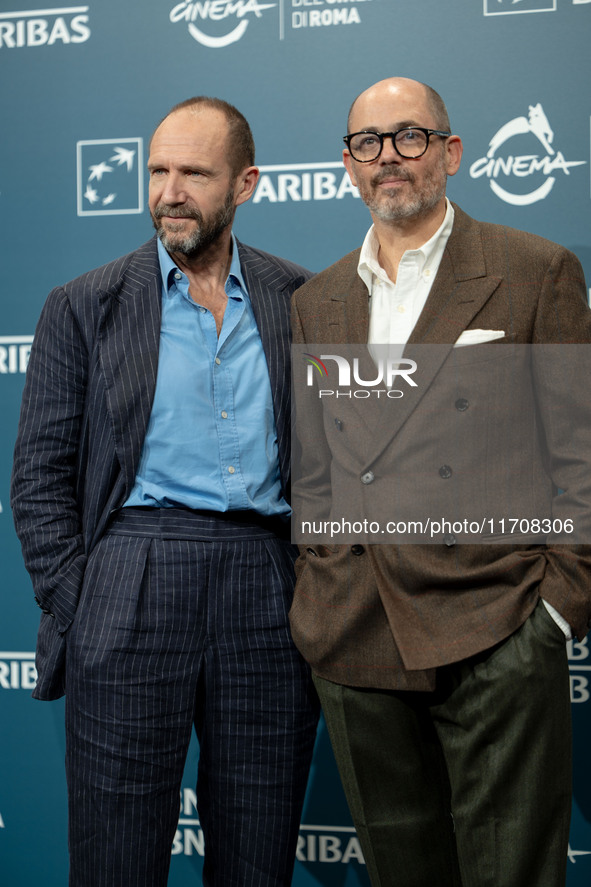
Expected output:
{"points": [[110, 176]]}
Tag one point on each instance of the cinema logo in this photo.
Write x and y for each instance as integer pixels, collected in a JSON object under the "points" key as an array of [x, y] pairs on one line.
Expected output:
{"points": [[316, 843], [280, 183], [579, 663], [44, 27], [17, 671], [217, 23], [510, 167], [14, 354]]}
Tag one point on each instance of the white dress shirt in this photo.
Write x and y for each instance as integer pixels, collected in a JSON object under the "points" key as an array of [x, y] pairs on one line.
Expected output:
{"points": [[395, 307]]}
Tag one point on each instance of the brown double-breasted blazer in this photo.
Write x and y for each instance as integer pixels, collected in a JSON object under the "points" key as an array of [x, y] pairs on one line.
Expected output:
{"points": [[387, 615]]}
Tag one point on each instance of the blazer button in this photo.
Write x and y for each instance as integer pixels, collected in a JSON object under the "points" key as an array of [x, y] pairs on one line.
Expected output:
{"points": [[462, 404], [449, 539], [445, 472], [368, 477], [357, 549]]}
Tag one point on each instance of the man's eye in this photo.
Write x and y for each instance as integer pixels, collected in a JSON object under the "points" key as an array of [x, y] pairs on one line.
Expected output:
{"points": [[410, 135]]}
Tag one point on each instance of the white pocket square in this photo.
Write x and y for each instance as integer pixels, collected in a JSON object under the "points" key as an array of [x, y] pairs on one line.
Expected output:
{"points": [[478, 337]]}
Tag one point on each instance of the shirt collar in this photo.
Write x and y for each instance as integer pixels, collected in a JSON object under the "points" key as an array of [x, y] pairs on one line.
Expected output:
{"points": [[168, 269], [429, 253]]}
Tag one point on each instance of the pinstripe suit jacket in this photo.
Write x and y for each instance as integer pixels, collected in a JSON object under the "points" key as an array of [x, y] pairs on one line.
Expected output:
{"points": [[86, 405], [386, 615]]}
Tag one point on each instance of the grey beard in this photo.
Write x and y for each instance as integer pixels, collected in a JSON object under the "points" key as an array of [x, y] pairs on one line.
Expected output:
{"points": [[418, 204], [207, 232]]}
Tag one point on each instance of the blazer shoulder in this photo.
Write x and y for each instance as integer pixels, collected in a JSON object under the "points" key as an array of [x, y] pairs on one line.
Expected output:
{"points": [[332, 279], [263, 264], [500, 242], [134, 269]]}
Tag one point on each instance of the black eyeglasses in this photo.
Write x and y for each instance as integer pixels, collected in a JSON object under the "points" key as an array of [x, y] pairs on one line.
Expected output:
{"points": [[411, 142]]}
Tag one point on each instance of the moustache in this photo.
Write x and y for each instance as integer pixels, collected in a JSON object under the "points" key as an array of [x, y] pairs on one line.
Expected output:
{"points": [[393, 170], [177, 212]]}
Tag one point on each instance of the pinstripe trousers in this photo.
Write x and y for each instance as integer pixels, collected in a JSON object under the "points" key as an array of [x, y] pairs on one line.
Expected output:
{"points": [[183, 623]]}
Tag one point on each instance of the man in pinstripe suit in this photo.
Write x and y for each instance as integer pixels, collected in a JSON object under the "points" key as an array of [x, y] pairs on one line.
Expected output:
{"points": [[150, 496]]}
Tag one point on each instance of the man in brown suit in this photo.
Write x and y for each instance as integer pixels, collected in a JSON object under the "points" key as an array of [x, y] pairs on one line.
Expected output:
{"points": [[442, 668]]}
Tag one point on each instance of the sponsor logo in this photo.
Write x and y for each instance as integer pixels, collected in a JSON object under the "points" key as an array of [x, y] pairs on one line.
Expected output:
{"points": [[508, 7], [17, 671], [316, 843], [501, 164], [217, 23], [44, 27], [14, 353], [110, 179], [280, 183], [328, 843], [579, 667]]}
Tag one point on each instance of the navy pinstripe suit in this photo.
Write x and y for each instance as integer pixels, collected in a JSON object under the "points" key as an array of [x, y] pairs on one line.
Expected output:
{"points": [[140, 622]]}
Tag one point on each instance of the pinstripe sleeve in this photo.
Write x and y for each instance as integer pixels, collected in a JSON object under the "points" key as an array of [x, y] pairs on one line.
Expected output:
{"points": [[43, 492]]}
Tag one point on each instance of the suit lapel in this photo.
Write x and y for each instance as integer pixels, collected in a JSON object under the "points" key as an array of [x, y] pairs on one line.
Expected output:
{"points": [[344, 315], [129, 343], [460, 290], [266, 283]]}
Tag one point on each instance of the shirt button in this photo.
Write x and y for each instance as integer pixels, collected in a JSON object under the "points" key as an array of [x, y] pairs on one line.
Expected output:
{"points": [[178, 275], [218, 361], [224, 414], [427, 272], [445, 472], [231, 469], [368, 477], [400, 309]]}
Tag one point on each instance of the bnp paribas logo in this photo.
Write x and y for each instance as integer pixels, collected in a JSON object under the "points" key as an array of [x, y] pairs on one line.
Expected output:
{"points": [[109, 177], [218, 23]]}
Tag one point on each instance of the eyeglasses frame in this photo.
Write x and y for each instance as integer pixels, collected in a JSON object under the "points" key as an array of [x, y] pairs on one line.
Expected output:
{"points": [[392, 135]]}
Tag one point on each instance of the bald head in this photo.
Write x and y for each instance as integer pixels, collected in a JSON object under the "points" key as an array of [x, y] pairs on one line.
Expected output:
{"points": [[420, 100], [239, 142]]}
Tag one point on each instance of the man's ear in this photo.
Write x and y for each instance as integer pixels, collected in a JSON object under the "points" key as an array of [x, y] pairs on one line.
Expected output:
{"points": [[246, 182], [453, 153], [348, 161]]}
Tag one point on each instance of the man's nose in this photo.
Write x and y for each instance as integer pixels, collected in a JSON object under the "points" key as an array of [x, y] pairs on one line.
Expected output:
{"points": [[389, 153], [174, 189]]}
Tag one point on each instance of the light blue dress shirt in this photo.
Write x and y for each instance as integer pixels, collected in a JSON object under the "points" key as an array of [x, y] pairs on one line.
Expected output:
{"points": [[211, 441]]}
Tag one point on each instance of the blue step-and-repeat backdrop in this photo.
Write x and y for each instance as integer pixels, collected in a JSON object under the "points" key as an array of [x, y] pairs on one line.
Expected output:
{"points": [[82, 89]]}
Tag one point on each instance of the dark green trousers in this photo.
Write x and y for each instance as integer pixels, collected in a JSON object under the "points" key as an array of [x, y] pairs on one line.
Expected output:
{"points": [[468, 786]]}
